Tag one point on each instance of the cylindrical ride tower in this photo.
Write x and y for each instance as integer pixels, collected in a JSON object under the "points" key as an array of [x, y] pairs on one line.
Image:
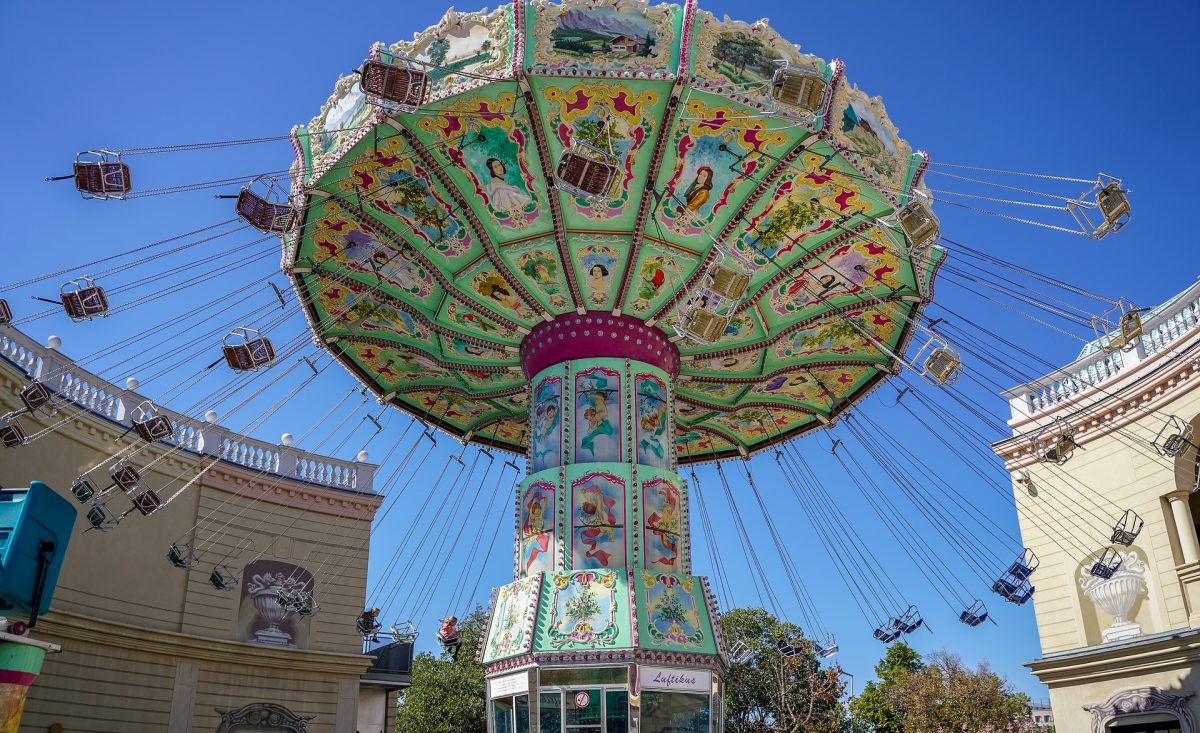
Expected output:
{"points": [[604, 629]]}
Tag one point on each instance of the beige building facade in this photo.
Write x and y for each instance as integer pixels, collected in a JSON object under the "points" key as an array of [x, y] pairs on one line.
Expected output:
{"points": [[1119, 621], [150, 647]]}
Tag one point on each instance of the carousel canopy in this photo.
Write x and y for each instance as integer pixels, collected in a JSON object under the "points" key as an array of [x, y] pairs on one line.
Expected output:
{"points": [[433, 238]]}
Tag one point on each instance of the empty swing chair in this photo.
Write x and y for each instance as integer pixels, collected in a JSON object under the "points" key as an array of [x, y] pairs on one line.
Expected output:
{"points": [[245, 349], [182, 556], [404, 633], [587, 172], [123, 477], [1055, 443], [222, 578], [297, 601], [1174, 438], [937, 362], [393, 83], [799, 87], [83, 299], [149, 425], [34, 396], [919, 223], [975, 614], [909, 621], [99, 174], [101, 518], [1107, 563], [887, 633], [1119, 328], [1013, 584], [827, 647], [1127, 528], [740, 653], [147, 502], [1106, 197], [706, 314], [263, 203], [6, 315]]}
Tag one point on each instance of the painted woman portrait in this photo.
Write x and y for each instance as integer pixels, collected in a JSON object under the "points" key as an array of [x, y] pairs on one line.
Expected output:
{"points": [[698, 192], [598, 277], [503, 195]]}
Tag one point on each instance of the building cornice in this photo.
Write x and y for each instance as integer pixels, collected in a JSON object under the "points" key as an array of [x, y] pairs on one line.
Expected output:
{"points": [[1100, 411], [1168, 652], [73, 627]]}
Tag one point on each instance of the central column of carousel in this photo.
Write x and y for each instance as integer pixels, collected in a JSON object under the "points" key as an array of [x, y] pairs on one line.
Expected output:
{"points": [[604, 629]]}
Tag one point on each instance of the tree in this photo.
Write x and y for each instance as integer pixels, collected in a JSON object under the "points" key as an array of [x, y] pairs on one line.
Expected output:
{"points": [[772, 693], [447, 696], [437, 51], [948, 695], [877, 709]]}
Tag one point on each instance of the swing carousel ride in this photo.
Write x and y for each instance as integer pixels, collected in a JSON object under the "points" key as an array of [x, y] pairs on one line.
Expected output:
{"points": [[619, 239]]}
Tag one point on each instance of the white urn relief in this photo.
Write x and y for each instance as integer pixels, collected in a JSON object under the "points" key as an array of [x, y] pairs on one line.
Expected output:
{"points": [[1116, 595]]}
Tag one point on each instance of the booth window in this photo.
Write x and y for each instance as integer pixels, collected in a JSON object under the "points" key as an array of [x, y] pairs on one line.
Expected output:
{"points": [[678, 712]]}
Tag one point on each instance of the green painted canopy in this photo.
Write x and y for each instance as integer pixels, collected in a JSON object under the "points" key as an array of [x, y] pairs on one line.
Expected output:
{"points": [[433, 240]]}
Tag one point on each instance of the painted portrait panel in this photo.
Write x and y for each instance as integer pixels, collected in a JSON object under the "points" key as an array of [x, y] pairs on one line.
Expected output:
{"points": [[597, 415], [598, 521], [547, 424], [652, 440], [537, 528]]}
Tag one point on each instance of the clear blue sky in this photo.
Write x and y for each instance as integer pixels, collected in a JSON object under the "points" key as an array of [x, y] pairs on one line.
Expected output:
{"points": [[1065, 88]]}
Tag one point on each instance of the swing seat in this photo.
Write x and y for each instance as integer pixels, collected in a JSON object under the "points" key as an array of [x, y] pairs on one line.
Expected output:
{"points": [[919, 223], [1174, 445], [105, 178], [222, 578], [887, 633], [586, 172], [1114, 206], [799, 86], [1060, 452], [84, 300], [266, 216], [393, 86], [1108, 563], [35, 395], [101, 518], [704, 325], [1131, 327], [83, 490], [250, 354], [974, 615], [943, 366], [728, 282], [1127, 528], [154, 428], [147, 502], [739, 653], [182, 556], [12, 434], [124, 477], [5, 313], [826, 650]]}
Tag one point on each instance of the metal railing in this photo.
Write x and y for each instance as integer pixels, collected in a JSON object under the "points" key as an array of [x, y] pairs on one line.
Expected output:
{"points": [[114, 403]]}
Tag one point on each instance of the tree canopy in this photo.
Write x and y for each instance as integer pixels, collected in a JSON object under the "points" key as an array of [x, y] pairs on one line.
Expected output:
{"points": [[774, 693]]}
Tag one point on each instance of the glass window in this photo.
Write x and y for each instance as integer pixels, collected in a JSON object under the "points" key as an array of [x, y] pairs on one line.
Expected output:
{"points": [[674, 712], [584, 717], [587, 677], [616, 711], [521, 713], [502, 714], [550, 712]]}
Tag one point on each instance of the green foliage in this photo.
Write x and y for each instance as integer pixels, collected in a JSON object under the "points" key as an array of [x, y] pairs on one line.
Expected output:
{"points": [[410, 195], [447, 696], [876, 709], [790, 217], [742, 51], [437, 51], [776, 694]]}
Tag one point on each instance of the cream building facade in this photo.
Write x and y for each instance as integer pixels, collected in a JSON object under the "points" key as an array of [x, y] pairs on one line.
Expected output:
{"points": [[149, 647], [1119, 653]]}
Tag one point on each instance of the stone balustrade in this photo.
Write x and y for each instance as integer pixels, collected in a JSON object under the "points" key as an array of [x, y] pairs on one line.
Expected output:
{"points": [[119, 405], [1160, 328]]}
